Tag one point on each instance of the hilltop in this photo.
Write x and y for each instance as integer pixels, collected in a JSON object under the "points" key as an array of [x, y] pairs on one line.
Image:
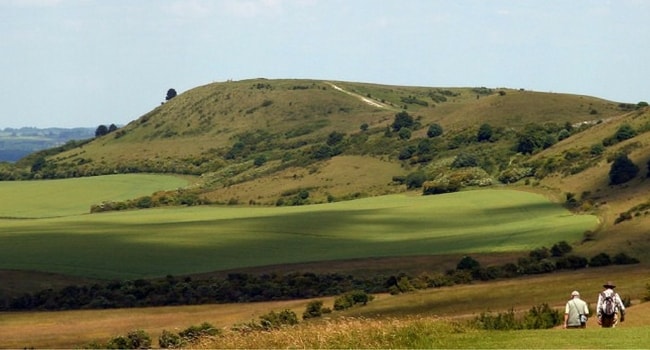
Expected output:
{"points": [[293, 142]]}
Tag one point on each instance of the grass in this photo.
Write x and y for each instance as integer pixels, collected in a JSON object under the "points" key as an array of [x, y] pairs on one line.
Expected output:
{"points": [[433, 318], [178, 241], [53, 198]]}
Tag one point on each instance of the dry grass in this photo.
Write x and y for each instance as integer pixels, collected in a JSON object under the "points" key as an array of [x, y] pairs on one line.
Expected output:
{"points": [[405, 321]]}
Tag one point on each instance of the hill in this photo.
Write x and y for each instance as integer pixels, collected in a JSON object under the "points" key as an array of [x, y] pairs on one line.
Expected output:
{"points": [[294, 142], [16, 143]]}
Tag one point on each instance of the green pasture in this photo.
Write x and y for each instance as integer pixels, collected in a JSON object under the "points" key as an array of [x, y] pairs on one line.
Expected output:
{"points": [[157, 242], [51, 198]]}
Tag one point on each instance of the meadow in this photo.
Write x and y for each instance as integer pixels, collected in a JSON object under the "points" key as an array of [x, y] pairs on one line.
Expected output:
{"points": [[54, 198], [188, 240]]}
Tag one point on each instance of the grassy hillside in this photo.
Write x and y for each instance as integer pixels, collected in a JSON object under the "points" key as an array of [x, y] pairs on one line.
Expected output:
{"points": [[247, 133]]}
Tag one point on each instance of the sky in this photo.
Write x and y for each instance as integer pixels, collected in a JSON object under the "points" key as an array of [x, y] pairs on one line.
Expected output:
{"points": [[82, 63]]}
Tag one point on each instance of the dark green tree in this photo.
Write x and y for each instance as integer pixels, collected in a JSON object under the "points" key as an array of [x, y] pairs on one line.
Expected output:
{"points": [[434, 130], [112, 128], [468, 263], [622, 170], [560, 249], [171, 93], [334, 138], [402, 120], [101, 130]]}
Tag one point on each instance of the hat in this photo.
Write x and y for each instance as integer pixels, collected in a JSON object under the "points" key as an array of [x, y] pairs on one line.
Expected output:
{"points": [[609, 284], [575, 293]]}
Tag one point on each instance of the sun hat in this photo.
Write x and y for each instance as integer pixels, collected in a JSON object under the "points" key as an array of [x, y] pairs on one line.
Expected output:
{"points": [[575, 293], [609, 284]]}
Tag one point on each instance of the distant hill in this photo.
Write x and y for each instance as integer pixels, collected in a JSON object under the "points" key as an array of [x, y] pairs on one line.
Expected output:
{"points": [[16, 143]]}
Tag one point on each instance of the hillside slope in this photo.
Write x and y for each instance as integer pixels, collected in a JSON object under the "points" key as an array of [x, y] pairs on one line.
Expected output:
{"points": [[287, 142]]}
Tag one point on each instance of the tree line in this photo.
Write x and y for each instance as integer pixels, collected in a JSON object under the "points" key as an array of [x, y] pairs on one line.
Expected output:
{"points": [[243, 287]]}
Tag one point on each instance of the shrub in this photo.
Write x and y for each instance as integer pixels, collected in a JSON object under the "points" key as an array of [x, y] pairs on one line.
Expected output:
{"points": [[314, 309], [601, 259], [404, 133], [138, 339], [274, 320], [624, 259], [541, 317], [415, 179], [571, 262], [560, 249], [538, 317], [402, 120], [194, 333], [434, 130], [169, 340], [468, 263], [356, 297], [622, 170], [465, 160]]}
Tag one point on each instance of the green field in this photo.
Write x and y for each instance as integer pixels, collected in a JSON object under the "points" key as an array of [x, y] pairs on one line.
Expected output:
{"points": [[157, 242], [52, 198]]}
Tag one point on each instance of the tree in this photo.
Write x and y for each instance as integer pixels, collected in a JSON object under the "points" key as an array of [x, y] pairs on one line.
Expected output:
{"points": [[101, 130], [622, 170], [435, 130], [402, 120], [334, 138], [467, 263], [112, 128], [171, 93], [415, 179], [484, 133]]}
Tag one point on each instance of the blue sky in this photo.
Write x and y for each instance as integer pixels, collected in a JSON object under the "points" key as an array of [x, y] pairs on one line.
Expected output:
{"points": [[72, 63]]}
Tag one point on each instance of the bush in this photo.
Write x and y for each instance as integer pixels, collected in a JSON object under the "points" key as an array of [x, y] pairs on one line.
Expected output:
{"points": [[194, 333], [353, 298], [138, 339], [402, 120], [542, 317], [314, 309], [415, 179], [601, 259], [404, 133], [274, 320], [624, 259], [560, 249], [468, 263], [622, 170], [571, 262], [434, 130], [169, 340], [538, 317]]}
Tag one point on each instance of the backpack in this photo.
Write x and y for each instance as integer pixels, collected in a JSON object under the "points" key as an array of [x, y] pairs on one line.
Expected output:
{"points": [[608, 307]]}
